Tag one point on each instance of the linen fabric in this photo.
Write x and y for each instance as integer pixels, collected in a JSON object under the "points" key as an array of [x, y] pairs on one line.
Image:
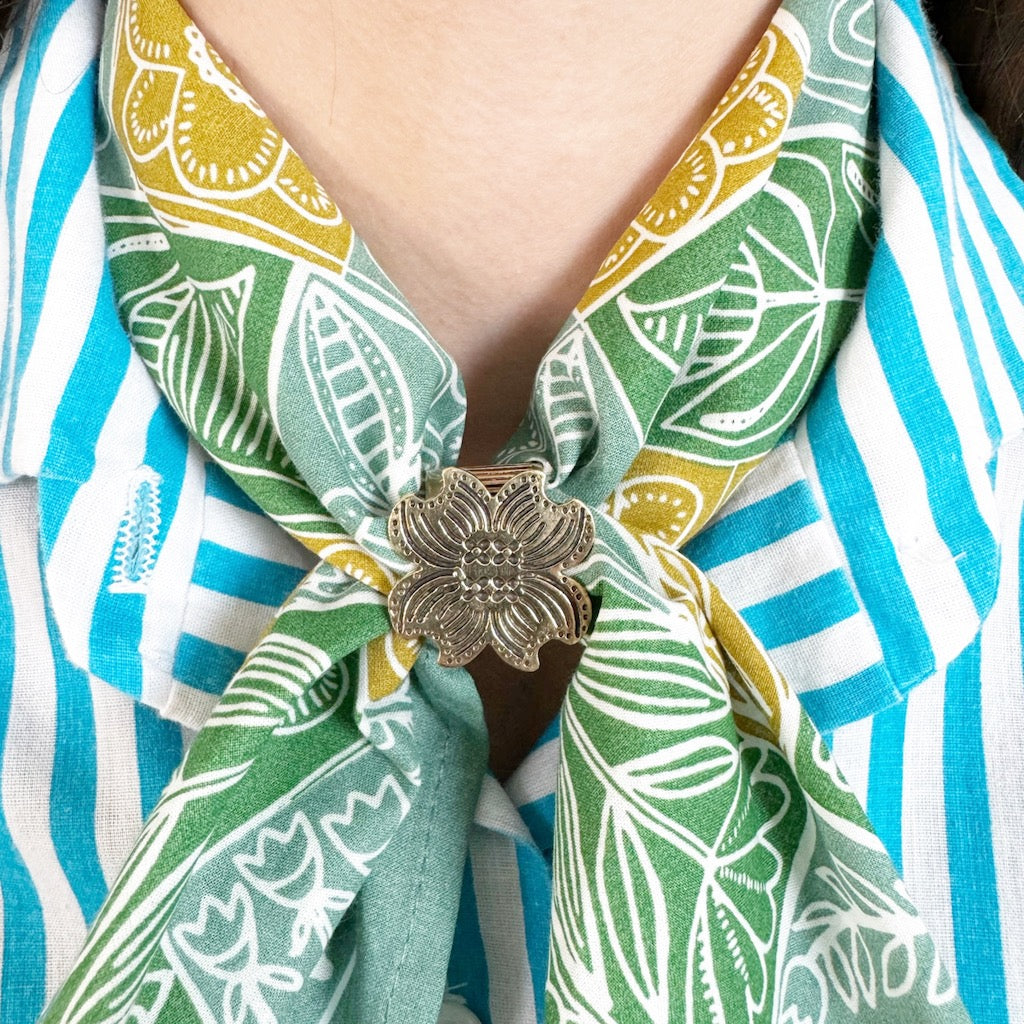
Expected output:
{"points": [[749, 505]]}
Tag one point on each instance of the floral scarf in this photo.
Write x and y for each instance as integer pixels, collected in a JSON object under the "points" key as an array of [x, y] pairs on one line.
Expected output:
{"points": [[305, 863]]}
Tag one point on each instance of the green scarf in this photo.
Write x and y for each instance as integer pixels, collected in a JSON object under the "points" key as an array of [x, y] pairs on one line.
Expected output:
{"points": [[305, 863]]}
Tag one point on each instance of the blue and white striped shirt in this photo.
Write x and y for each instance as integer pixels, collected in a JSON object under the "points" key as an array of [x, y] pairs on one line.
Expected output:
{"points": [[877, 553]]}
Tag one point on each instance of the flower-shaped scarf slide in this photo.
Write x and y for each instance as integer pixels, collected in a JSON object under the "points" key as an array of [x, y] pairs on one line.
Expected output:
{"points": [[305, 863]]}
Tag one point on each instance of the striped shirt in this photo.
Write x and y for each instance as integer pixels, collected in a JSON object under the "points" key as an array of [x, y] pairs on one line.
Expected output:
{"points": [[876, 552]]}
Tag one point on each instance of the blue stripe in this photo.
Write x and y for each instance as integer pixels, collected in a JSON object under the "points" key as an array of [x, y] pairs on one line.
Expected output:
{"points": [[1008, 345], [160, 746], [23, 973], [910, 139], [539, 818], [46, 22], [67, 160], [802, 611], [1005, 343], [972, 873], [864, 693], [552, 731], [206, 666], [1007, 249], [219, 485], [931, 429], [1004, 171], [858, 522], [885, 779], [239, 575], [987, 405], [467, 966], [752, 528], [535, 889], [73, 786], [85, 404]]}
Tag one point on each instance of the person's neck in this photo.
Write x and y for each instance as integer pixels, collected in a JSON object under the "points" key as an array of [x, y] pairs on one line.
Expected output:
{"points": [[490, 154]]}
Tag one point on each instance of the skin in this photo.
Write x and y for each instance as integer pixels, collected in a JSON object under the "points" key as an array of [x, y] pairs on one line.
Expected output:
{"points": [[490, 154]]}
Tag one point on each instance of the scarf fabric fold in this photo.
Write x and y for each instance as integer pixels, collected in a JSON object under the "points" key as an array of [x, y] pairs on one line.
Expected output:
{"points": [[305, 863]]}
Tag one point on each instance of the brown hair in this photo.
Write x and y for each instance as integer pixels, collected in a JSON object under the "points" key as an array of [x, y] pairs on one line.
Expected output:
{"points": [[984, 38]]}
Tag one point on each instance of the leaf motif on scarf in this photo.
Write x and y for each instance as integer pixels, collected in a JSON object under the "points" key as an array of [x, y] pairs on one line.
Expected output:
{"points": [[281, 684], [690, 768], [318, 701], [287, 867], [563, 413], [738, 913], [861, 945], [677, 694], [860, 181], [356, 831], [762, 344], [190, 334], [327, 587], [577, 986], [362, 399], [851, 48], [152, 995], [634, 909], [665, 329], [223, 943]]}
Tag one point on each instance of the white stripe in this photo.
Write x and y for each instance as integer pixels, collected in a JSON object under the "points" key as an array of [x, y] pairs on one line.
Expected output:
{"points": [[72, 47], [1008, 207], [851, 748], [925, 855], [228, 621], [929, 567], [29, 745], [913, 65], [536, 776], [997, 380], [1012, 309], [252, 533], [170, 586], [803, 450], [829, 656], [916, 251], [495, 812], [499, 905], [71, 290], [118, 817], [776, 568], [14, 68], [1002, 722], [190, 708], [86, 538]]}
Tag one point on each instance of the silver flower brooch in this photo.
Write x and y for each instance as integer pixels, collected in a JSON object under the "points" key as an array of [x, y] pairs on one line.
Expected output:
{"points": [[490, 552]]}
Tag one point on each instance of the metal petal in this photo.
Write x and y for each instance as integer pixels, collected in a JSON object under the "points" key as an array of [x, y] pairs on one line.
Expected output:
{"points": [[566, 541], [432, 530], [553, 536], [431, 603], [412, 598], [462, 632], [549, 607]]}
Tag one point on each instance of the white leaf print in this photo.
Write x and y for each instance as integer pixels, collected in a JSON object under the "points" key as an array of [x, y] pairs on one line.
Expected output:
{"points": [[362, 397], [633, 905], [686, 769]]}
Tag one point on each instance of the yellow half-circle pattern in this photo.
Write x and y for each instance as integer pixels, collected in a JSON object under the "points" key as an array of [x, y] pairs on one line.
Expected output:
{"points": [[738, 143], [229, 169]]}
